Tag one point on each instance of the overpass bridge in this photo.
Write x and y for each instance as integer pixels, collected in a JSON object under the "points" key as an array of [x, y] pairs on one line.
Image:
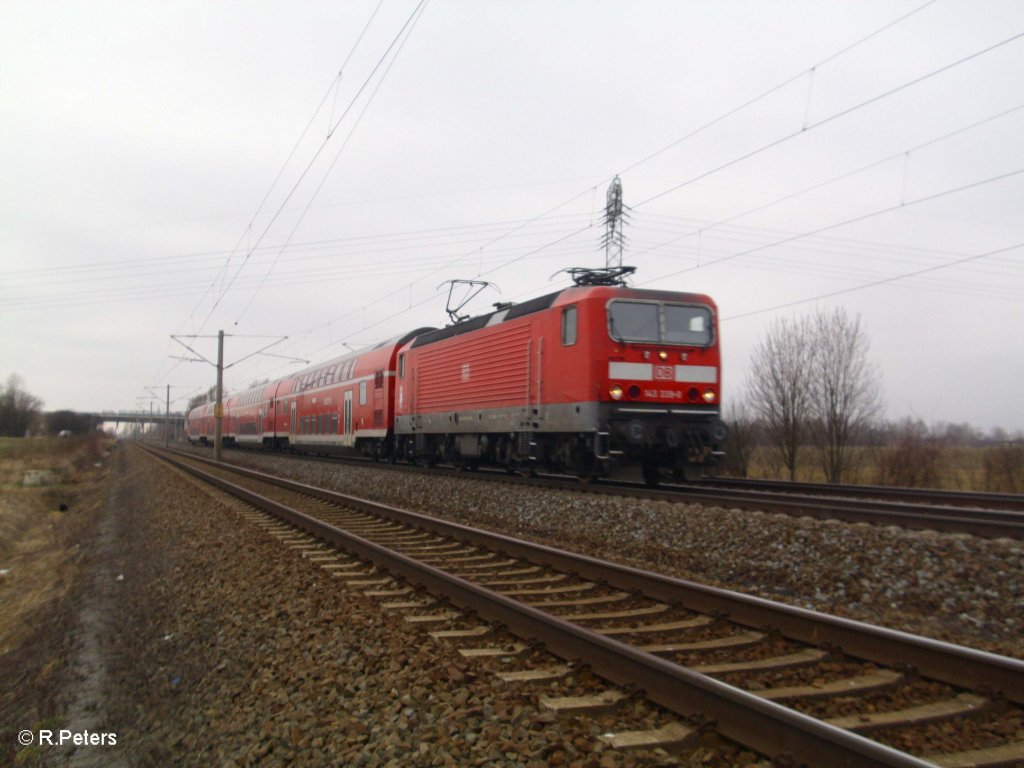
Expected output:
{"points": [[143, 421]]}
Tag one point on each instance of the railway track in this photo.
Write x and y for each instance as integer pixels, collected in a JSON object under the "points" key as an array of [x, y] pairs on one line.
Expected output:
{"points": [[779, 679], [969, 499], [990, 523], [986, 515]]}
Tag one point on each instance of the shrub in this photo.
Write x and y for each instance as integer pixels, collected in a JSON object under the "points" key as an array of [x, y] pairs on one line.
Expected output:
{"points": [[1004, 468], [912, 459]]}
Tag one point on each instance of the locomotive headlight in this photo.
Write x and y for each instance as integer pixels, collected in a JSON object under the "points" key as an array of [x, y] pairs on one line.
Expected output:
{"points": [[709, 395], [663, 355], [615, 392]]}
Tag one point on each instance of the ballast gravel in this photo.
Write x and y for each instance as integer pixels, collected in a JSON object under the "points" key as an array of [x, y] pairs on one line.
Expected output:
{"points": [[223, 647], [954, 587]]}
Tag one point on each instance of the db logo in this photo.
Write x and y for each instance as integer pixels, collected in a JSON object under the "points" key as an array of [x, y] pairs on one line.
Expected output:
{"points": [[664, 373]]}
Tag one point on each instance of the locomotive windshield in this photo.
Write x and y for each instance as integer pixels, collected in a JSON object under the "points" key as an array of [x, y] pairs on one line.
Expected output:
{"points": [[649, 322]]}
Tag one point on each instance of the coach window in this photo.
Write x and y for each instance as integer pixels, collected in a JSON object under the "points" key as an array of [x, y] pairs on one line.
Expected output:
{"points": [[568, 326], [362, 392]]}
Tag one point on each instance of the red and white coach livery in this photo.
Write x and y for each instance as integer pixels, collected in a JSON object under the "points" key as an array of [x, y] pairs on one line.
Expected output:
{"points": [[589, 380], [343, 404], [585, 380]]}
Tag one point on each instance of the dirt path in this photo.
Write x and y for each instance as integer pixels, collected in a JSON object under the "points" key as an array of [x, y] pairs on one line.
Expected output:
{"points": [[86, 708]]}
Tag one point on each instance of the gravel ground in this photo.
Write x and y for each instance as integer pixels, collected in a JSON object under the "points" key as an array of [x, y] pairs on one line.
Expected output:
{"points": [[204, 641], [959, 588]]}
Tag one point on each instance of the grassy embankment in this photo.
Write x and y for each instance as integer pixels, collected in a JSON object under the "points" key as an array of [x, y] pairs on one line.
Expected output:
{"points": [[993, 468], [50, 493]]}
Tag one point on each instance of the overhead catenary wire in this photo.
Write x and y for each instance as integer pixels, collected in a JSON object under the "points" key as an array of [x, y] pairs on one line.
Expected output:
{"points": [[776, 88], [849, 174], [159, 268], [407, 236], [225, 288], [789, 137], [824, 121], [417, 14], [592, 190], [874, 283], [259, 208], [386, 255], [316, 155], [833, 117], [856, 219], [246, 232]]}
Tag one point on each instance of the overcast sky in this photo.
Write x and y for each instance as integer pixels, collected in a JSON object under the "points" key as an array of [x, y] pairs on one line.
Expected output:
{"points": [[270, 169]]}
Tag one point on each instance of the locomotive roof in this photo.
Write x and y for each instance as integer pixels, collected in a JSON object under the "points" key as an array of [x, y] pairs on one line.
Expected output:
{"points": [[547, 301], [475, 323]]}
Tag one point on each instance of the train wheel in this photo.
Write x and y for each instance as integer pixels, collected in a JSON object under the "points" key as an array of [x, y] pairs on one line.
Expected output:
{"points": [[689, 473], [651, 475], [522, 468]]}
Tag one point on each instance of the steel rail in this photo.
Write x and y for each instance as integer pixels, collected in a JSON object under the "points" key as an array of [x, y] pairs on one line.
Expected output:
{"points": [[958, 665], [762, 725], [980, 499], [988, 523], [977, 522]]}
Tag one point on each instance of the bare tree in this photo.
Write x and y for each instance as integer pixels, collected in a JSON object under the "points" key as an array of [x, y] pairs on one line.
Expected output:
{"points": [[778, 388], [844, 390], [743, 435], [19, 410]]}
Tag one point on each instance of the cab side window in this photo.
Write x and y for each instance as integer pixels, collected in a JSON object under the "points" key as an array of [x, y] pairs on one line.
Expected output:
{"points": [[568, 326]]}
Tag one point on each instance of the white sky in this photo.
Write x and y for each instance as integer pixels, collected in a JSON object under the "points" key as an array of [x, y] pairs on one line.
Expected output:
{"points": [[138, 139]]}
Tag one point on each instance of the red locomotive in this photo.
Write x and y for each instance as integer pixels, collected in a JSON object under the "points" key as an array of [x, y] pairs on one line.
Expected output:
{"points": [[588, 380]]}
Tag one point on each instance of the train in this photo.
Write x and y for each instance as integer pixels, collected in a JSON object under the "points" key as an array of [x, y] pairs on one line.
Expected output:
{"points": [[599, 379]]}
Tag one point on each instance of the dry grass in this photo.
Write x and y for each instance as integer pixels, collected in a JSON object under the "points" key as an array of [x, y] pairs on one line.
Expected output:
{"points": [[38, 557], [42, 551], [929, 464]]}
